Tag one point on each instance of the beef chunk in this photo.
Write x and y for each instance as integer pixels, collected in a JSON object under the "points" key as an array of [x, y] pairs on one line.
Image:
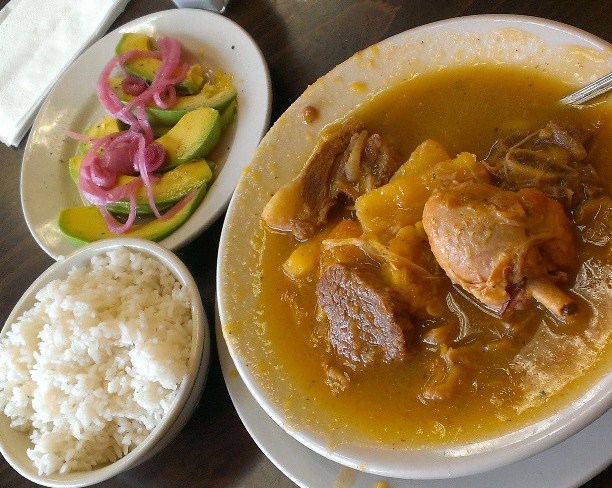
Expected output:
{"points": [[423, 287], [346, 162], [368, 321]]}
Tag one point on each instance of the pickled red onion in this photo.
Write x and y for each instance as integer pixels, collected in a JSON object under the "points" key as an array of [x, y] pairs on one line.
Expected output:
{"points": [[133, 86], [92, 173], [112, 224], [132, 150], [101, 175], [140, 159], [141, 116], [78, 136], [168, 100]]}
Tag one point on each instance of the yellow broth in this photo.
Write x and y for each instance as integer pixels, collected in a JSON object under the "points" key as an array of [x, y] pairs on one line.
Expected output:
{"points": [[465, 109]]}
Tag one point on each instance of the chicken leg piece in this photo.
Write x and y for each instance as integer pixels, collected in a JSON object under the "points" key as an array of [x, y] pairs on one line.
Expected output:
{"points": [[502, 246]]}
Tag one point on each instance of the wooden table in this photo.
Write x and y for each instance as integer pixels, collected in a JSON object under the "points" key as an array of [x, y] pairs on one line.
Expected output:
{"points": [[301, 40]]}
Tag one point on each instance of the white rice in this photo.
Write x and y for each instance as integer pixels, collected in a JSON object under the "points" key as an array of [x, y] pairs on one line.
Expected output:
{"points": [[91, 369]]}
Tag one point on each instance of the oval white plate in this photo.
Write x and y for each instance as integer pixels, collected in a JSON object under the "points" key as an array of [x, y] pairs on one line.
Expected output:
{"points": [[566, 53], [215, 41], [568, 464]]}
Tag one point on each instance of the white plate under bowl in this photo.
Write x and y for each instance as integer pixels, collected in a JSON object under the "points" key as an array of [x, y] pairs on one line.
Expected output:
{"points": [[564, 52], [13, 444], [566, 465], [215, 41]]}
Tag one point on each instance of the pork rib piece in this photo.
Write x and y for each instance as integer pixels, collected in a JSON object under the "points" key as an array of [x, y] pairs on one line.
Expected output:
{"points": [[499, 245], [347, 161], [553, 159]]}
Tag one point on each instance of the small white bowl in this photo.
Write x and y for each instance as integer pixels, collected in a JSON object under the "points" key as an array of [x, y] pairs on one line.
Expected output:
{"points": [[13, 444], [569, 54]]}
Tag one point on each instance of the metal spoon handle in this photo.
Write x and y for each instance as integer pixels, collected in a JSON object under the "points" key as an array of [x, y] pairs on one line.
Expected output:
{"points": [[592, 90]]}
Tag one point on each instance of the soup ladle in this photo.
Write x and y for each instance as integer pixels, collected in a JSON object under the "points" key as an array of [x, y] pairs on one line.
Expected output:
{"points": [[590, 91]]}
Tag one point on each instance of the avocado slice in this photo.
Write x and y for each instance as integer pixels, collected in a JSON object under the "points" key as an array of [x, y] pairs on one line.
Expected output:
{"points": [[146, 68], [160, 131], [86, 224], [171, 187], [217, 93], [229, 114], [134, 40], [194, 136], [74, 163], [103, 127]]}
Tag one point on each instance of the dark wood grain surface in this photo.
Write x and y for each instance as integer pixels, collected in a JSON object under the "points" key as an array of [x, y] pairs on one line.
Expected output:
{"points": [[301, 41]]}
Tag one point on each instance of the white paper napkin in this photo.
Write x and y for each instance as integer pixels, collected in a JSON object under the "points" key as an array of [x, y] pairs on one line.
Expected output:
{"points": [[39, 39]]}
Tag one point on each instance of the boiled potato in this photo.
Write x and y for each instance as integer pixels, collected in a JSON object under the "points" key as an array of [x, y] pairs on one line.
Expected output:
{"points": [[461, 169], [304, 260], [400, 202], [410, 242], [390, 207], [422, 159]]}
